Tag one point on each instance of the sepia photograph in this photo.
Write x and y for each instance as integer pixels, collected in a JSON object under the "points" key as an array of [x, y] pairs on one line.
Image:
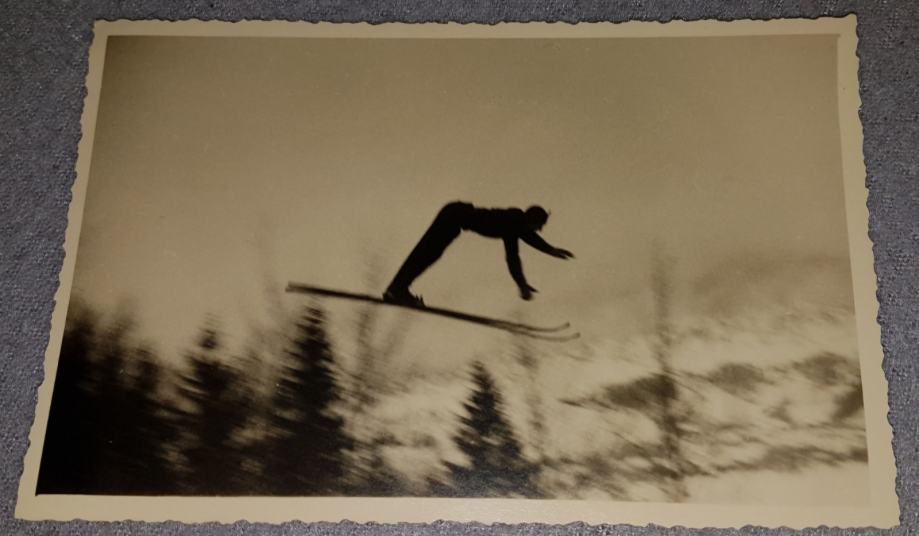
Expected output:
{"points": [[601, 273]]}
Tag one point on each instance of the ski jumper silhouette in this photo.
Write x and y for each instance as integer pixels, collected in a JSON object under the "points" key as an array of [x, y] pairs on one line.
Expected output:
{"points": [[507, 224]]}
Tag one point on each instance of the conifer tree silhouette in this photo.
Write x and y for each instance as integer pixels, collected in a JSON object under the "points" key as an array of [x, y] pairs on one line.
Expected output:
{"points": [[69, 450], [149, 431], [496, 466], [674, 466], [370, 473], [307, 441], [112, 423], [215, 411], [108, 431], [527, 357]]}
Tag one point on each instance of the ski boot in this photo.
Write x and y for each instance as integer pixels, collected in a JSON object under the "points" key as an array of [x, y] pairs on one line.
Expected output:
{"points": [[402, 297]]}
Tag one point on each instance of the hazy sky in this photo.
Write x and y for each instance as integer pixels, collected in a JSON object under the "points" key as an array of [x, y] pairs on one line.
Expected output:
{"points": [[224, 164]]}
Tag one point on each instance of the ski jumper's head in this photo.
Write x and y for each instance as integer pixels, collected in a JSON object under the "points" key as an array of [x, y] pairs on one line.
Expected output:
{"points": [[536, 217]]}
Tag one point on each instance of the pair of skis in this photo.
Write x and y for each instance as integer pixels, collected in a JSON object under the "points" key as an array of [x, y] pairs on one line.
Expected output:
{"points": [[553, 333]]}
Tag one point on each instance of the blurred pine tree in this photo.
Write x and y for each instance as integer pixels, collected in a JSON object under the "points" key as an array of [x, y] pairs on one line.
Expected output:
{"points": [[306, 442], [496, 466]]}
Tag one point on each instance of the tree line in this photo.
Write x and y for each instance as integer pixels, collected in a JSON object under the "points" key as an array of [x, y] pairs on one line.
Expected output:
{"points": [[124, 421]]}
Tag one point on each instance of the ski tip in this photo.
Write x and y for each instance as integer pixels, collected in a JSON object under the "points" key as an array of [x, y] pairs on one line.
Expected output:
{"points": [[548, 338], [541, 329]]}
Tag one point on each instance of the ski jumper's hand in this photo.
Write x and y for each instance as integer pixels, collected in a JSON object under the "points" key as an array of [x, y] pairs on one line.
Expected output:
{"points": [[538, 243], [562, 253]]}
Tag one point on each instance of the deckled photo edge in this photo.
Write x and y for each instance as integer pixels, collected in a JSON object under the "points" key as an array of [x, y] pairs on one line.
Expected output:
{"points": [[883, 513], [879, 432]]}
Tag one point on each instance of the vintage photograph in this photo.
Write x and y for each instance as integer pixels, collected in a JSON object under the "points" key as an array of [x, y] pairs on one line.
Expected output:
{"points": [[592, 266]]}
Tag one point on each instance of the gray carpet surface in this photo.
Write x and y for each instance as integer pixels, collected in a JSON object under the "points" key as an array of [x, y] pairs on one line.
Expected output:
{"points": [[43, 62]]}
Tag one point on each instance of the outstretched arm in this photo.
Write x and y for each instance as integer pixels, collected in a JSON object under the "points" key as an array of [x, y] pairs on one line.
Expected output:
{"points": [[536, 241], [512, 254]]}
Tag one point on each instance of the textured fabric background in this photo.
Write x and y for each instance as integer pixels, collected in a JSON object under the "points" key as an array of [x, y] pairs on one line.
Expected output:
{"points": [[43, 62]]}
